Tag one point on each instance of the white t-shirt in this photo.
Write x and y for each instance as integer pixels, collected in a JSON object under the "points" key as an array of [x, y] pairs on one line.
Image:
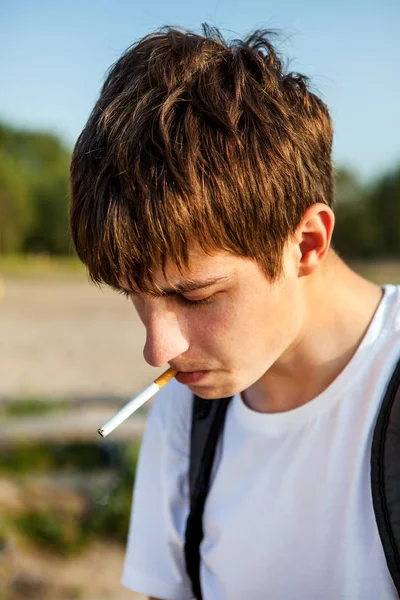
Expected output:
{"points": [[289, 514]]}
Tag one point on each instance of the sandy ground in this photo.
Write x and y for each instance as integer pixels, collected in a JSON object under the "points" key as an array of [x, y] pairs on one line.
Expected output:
{"points": [[31, 573], [94, 575], [63, 338], [66, 338]]}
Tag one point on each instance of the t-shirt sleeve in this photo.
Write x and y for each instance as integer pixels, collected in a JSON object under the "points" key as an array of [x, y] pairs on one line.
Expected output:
{"points": [[154, 562]]}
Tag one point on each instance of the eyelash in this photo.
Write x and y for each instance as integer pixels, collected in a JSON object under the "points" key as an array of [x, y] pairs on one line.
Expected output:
{"points": [[197, 302], [185, 300]]}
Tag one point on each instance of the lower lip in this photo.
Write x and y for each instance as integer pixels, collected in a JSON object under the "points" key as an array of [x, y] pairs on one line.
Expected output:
{"points": [[191, 377]]}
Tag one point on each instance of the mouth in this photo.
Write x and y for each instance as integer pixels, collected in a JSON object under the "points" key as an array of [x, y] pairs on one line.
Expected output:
{"points": [[190, 377]]}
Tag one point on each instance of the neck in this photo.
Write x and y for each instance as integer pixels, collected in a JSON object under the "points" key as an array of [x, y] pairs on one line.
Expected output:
{"points": [[339, 308]]}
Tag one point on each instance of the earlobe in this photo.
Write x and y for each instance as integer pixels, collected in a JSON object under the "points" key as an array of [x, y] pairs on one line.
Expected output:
{"points": [[314, 237]]}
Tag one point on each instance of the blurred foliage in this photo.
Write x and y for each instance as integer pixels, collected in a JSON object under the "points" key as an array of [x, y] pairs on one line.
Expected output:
{"points": [[42, 265], [383, 205], [64, 531], [31, 458], [108, 516], [31, 407], [53, 530], [354, 234], [34, 170], [367, 216]]}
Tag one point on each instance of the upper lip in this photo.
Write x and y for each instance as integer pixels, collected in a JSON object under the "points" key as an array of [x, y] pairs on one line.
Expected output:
{"points": [[187, 370]]}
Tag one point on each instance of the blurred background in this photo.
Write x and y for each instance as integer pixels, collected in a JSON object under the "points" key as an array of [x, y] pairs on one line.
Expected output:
{"points": [[70, 353]]}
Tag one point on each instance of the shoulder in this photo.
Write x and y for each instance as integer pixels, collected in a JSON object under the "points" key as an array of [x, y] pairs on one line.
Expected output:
{"points": [[382, 350], [396, 295], [386, 323], [389, 335]]}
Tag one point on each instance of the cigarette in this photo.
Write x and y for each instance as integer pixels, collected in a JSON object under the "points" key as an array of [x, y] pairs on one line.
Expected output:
{"points": [[131, 406]]}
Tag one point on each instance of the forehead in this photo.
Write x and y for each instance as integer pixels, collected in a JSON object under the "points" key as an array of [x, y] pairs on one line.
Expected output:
{"points": [[200, 263], [203, 268]]}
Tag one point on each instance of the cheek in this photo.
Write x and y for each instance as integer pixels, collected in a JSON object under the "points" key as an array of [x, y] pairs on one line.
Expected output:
{"points": [[209, 328], [257, 322], [221, 330]]}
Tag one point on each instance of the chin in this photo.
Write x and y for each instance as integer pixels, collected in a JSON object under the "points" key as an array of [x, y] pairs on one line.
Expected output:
{"points": [[215, 392], [206, 394]]}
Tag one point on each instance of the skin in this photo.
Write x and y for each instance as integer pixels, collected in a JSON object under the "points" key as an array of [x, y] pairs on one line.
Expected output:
{"points": [[278, 343]]}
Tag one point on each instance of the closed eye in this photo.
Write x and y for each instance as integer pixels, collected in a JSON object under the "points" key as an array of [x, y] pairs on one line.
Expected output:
{"points": [[197, 302], [128, 294]]}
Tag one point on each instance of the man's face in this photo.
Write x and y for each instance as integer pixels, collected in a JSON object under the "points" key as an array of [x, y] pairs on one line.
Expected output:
{"points": [[227, 326]]}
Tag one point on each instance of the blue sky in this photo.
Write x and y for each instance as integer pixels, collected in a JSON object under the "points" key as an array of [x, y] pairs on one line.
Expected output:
{"points": [[55, 55]]}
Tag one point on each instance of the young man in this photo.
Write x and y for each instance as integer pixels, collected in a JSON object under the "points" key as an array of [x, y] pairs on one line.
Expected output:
{"points": [[202, 187]]}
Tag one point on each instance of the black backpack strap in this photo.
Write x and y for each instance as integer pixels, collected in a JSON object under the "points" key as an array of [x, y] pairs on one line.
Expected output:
{"points": [[385, 475], [208, 419]]}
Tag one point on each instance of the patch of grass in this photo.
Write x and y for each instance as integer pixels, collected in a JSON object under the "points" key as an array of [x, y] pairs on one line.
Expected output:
{"points": [[106, 517], [3, 536], [29, 407], [74, 592], [26, 458], [25, 265], [55, 530]]}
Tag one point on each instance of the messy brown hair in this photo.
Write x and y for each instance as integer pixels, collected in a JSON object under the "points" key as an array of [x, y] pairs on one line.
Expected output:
{"points": [[196, 139]]}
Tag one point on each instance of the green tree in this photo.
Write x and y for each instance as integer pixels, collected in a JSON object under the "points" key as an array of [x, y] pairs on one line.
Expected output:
{"points": [[355, 234], [384, 207], [15, 211], [33, 192], [49, 193]]}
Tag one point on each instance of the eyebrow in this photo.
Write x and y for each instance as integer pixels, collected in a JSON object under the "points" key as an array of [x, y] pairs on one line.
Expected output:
{"points": [[189, 286]]}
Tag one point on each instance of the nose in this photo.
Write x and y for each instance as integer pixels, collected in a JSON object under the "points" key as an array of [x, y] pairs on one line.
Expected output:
{"points": [[165, 339]]}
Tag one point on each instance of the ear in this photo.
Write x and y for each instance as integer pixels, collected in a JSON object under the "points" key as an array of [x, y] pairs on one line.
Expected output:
{"points": [[313, 237]]}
